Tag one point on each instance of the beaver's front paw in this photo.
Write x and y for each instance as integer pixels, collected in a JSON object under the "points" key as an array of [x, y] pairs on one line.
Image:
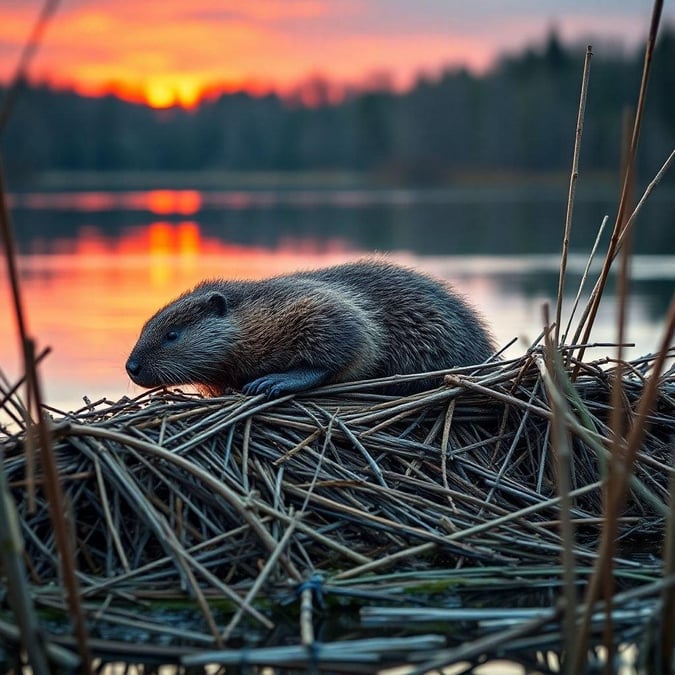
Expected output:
{"points": [[274, 385]]}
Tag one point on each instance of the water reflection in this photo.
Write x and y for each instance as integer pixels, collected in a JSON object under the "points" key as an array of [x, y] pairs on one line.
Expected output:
{"points": [[160, 202], [454, 221], [189, 202], [96, 265]]}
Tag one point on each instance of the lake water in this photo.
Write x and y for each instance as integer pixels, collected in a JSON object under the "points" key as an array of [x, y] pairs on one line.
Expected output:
{"points": [[95, 263]]}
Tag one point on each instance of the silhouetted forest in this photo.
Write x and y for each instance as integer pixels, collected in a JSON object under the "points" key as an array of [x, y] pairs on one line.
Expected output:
{"points": [[518, 117]]}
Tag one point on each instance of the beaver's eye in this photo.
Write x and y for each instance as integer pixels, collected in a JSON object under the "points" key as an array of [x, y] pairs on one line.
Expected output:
{"points": [[171, 336]]}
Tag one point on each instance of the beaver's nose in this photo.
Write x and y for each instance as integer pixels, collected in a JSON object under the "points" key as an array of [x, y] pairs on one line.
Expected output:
{"points": [[133, 367]]}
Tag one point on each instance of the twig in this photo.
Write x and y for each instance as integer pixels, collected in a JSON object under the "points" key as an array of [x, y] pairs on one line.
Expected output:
{"points": [[260, 580], [572, 190]]}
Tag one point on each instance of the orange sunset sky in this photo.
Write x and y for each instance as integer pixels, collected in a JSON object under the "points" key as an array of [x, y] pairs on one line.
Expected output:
{"points": [[165, 52]]}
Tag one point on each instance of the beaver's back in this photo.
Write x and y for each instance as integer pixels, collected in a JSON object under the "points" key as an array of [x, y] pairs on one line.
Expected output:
{"points": [[425, 325]]}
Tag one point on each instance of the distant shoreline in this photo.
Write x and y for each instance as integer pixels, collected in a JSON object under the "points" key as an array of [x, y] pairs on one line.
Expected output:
{"points": [[288, 180]]}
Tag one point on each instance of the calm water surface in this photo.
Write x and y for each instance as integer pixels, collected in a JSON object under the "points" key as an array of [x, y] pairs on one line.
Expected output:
{"points": [[96, 263]]}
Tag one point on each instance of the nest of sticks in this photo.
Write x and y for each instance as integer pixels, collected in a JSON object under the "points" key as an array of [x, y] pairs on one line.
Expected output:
{"points": [[171, 491]]}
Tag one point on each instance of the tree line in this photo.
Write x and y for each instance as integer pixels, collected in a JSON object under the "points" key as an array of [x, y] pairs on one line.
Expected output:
{"points": [[518, 117]]}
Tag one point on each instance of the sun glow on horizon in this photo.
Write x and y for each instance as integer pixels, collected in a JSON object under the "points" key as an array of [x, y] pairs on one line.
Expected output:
{"points": [[179, 53], [165, 92]]}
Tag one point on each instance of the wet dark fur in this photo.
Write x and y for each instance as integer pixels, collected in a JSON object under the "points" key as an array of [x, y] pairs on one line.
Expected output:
{"points": [[360, 320]]}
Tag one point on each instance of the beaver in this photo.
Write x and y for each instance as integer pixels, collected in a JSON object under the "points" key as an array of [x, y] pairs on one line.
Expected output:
{"points": [[360, 320]]}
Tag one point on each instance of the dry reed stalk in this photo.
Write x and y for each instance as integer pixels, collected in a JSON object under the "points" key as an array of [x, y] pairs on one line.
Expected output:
{"points": [[214, 484], [645, 195], [260, 580], [617, 412], [39, 433], [184, 562], [57, 656], [320, 538], [623, 464], [12, 407], [572, 190], [591, 309], [552, 372], [34, 397], [306, 624], [469, 650], [18, 591], [357, 656]]}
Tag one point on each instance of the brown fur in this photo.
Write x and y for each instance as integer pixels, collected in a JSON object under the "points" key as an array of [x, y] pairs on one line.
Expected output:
{"points": [[285, 334]]}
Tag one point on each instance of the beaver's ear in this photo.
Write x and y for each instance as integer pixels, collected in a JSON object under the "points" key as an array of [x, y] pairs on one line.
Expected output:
{"points": [[217, 304]]}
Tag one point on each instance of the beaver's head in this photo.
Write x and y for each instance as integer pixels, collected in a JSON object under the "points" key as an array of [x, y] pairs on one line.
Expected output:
{"points": [[183, 343]]}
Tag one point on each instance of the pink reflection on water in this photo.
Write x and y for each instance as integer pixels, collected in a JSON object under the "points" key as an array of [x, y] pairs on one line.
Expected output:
{"points": [[88, 296], [160, 202], [189, 202], [71, 201]]}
